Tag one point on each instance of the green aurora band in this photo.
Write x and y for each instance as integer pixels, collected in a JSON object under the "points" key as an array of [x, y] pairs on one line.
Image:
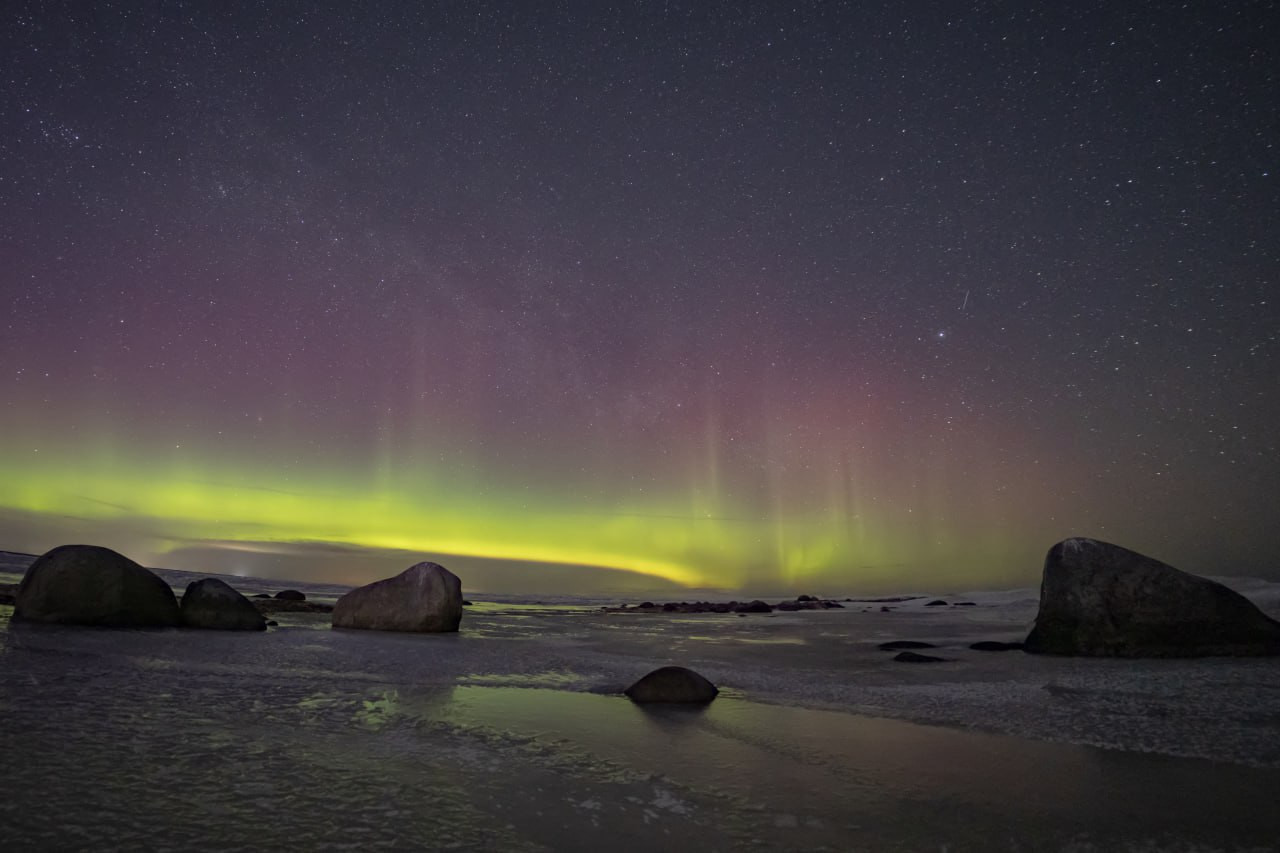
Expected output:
{"points": [[687, 538]]}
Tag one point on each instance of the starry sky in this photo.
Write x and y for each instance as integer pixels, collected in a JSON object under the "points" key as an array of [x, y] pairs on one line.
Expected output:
{"points": [[588, 296]]}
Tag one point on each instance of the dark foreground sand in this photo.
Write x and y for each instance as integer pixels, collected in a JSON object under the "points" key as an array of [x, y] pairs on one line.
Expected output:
{"points": [[507, 736]]}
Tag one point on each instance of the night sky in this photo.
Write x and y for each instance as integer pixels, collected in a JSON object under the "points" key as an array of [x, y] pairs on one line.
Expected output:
{"points": [[823, 297]]}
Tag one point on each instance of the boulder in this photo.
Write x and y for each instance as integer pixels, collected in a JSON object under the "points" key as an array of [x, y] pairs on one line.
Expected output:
{"points": [[423, 598], [994, 646], [755, 606], [896, 645], [937, 602], [912, 657], [1098, 599], [290, 595], [672, 684], [284, 605], [211, 603], [90, 585]]}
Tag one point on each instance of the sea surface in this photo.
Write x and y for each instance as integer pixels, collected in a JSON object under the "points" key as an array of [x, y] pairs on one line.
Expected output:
{"points": [[512, 735]]}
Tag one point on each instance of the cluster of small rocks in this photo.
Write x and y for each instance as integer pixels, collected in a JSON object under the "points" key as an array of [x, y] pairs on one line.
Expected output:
{"points": [[288, 601], [803, 602], [906, 653]]}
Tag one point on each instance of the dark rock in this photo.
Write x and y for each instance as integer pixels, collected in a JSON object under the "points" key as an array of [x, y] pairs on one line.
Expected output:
{"points": [[912, 657], [965, 604], [290, 595], [894, 645], [1098, 599], [807, 598], [466, 603], [803, 602], [274, 605], [756, 606], [8, 592], [423, 598], [994, 646], [261, 595], [678, 607], [271, 623], [937, 602], [672, 684], [886, 609], [89, 585], [211, 603], [891, 599]]}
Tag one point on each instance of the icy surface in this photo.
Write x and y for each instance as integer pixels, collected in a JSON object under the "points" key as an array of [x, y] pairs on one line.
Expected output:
{"points": [[510, 735]]}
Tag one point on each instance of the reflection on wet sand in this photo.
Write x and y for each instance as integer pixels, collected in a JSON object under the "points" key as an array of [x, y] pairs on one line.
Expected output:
{"points": [[830, 771], [513, 735]]}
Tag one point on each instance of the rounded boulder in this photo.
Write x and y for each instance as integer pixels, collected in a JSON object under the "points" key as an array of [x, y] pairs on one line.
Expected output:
{"points": [[211, 603], [674, 685], [91, 585], [425, 598]]}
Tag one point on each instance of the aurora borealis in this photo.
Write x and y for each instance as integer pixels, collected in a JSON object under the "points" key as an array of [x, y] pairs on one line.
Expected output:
{"points": [[817, 297]]}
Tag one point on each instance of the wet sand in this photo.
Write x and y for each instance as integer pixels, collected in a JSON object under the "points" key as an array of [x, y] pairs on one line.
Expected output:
{"points": [[510, 735]]}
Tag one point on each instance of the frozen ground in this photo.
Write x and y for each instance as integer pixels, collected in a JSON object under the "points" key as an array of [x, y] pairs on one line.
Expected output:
{"points": [[510, 735]]}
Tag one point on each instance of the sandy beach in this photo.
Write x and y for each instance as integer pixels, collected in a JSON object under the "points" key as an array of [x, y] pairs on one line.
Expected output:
{"points": [[512, 735]]}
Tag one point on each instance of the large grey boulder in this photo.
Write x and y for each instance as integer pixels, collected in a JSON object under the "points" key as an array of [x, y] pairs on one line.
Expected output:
{"points": [[90, 585], [211, 603], [424, 598], [674, 685], [1098, 599]]}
